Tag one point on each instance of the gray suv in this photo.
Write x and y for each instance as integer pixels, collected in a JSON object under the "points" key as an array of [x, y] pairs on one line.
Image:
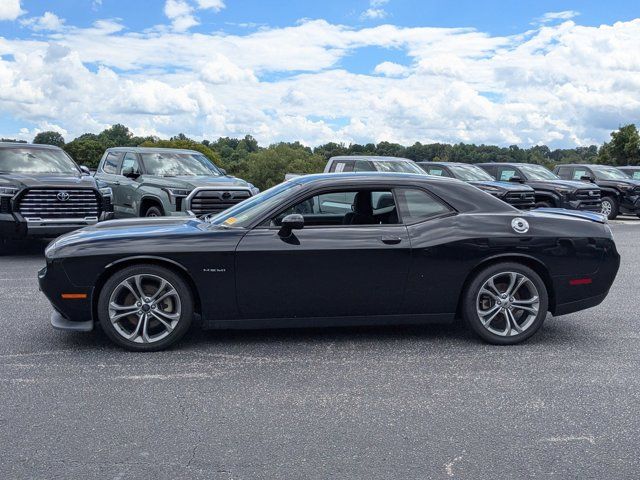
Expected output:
{"points": [[152, 182]]}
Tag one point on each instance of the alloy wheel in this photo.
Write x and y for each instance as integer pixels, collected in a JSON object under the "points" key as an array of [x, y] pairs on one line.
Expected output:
{"points": [[144, 308], [507, 304], [606, 208]]}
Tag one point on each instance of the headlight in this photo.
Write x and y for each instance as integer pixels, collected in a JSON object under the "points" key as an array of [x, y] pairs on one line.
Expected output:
{"points": [[489, 189], [254, 190], [563, 190], [8, 191], [177, 193], [106, 192], [624, 187]]}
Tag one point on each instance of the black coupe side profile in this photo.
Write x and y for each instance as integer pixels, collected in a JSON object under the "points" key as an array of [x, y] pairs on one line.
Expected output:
{"points": [[333, 249]]}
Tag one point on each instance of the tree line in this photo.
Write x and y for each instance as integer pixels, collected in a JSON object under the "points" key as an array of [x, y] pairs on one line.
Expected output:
{"points": [[267, 166]]}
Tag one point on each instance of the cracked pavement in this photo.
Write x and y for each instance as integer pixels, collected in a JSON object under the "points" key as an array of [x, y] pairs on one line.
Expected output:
{"points": [[400, 402]]}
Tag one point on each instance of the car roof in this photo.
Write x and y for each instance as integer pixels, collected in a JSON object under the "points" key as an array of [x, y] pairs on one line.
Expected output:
{"points": [[628, 167], [371, 157], [445, 163], [28, 145], [150, 150], [584, 165]]}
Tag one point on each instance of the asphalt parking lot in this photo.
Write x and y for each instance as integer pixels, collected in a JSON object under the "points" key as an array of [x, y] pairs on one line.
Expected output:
{"points": [[409, 403]]}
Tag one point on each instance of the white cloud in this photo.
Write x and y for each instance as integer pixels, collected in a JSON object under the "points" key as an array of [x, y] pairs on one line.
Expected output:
{"points": [[563, 15], [375, 12], [390, 69], [49, 21], [563, 84], [181, 15], [10, 9], [216, 5]]}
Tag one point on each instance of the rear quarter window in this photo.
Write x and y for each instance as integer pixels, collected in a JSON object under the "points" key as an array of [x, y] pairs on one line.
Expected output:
{"points": [[416, 205]]}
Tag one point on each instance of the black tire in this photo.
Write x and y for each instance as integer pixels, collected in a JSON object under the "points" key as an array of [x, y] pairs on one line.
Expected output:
{"points": [[543, 205], [153, 211], [614, 209], [471, 295], [185, 305]]}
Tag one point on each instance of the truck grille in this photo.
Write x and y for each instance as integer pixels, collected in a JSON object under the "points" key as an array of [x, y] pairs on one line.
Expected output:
{"points": [[59, 203], [521, 199], [215, 201], [589, 199]]}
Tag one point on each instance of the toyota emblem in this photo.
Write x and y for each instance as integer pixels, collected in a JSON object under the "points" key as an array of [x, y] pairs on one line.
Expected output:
{"points": [[63, 196], [226, 195]]}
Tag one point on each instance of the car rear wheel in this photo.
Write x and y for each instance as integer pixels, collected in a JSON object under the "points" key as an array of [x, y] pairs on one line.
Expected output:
{"points": [[505, 303], [610, 207], [145, 308], [153, 211]]}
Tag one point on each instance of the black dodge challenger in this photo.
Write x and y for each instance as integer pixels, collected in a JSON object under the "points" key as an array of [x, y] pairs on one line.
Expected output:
{"points": [[333, 249]]}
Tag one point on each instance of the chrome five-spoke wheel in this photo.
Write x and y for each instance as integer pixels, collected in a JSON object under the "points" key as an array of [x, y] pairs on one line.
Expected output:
{"points": [[507, 304], [145, 307], [606, 208]]}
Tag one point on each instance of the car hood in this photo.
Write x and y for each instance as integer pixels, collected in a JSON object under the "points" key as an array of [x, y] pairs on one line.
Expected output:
{"points": [[613, 183], [562, 183], [508, 186], [23, 180], [189, 182], [136, 234]]}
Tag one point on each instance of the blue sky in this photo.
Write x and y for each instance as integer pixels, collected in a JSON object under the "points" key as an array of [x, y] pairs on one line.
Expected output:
{"points": [[504, 72]]}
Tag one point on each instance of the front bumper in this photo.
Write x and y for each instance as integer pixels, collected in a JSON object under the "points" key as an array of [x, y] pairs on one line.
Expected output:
{"points": [[588, 205], [69, 313]]}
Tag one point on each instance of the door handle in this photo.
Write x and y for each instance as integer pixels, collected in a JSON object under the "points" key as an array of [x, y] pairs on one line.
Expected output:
{"points": [[390, 240]]}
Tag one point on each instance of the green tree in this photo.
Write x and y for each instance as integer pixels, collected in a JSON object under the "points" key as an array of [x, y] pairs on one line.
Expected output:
{"points": [[267, 167], [116, 136], [86, 152], [624, 147], [49, 138]]}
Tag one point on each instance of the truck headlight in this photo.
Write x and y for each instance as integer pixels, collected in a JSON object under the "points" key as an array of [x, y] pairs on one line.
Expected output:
{"points": [[492, 190], [563, 190], [176, 193], [106, 192], [254, 190], [8, 191]]}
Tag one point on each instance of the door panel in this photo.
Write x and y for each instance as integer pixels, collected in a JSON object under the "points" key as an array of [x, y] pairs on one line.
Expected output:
{"points": [[126, 192], [323, 271]]}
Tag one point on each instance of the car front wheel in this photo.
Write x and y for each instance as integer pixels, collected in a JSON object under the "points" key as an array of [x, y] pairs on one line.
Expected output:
{"points": [[505, 303], [145, 307], [609, 207]]}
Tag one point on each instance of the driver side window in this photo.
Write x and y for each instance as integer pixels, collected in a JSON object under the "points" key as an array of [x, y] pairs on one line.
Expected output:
{"points": [[130, 163], [349, 207]]}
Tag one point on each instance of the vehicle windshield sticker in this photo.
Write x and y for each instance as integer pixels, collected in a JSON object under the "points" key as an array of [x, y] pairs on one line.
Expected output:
{"points": [[230, 221], [520, 225]]}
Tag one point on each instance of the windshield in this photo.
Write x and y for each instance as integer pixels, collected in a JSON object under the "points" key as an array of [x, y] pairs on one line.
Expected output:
{"points": [[536, 172], [36, 160], [608, 173], [470, 173], [172, 164], [247, 211], [398, 166]]}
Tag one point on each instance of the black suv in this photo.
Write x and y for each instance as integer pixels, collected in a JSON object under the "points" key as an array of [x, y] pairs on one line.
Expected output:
{"points": [[550, 190], [632, 171], [43, 193], [520, 196], [620, 194]]}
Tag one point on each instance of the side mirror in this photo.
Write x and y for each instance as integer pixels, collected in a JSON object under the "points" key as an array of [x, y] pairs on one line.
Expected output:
{"points": [[222, 170], [85, 170], [295, 221], [516, 179], [130, 173], [587, 178]]}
